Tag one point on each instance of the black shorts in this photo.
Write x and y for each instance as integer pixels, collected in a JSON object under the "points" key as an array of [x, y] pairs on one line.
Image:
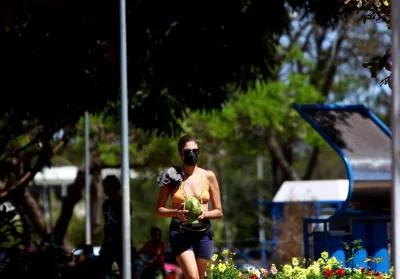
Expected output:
{"points": [[201, 243]]}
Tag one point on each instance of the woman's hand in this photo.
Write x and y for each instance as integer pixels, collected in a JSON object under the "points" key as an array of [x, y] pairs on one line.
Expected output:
{"points": [[202, 215], [181, 214]]}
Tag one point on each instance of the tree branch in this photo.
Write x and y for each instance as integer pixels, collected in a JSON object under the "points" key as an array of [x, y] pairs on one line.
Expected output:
{"points": [[74, 194], [30, 174], [276, 150], [312, 163], [293, 40], [332, 63], [34, 213]]}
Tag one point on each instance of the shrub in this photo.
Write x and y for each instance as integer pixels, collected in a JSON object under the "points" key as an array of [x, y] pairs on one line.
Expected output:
{"points": [[222, 266]]}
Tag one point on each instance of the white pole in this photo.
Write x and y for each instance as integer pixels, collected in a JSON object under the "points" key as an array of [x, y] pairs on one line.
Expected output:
{"points": [[395, 123], [126, 224], [88, 223], [261, 218]]}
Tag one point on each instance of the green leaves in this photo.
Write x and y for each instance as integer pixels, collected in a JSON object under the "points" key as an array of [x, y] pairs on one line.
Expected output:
{"points": [[265, 107], [146, 148]]}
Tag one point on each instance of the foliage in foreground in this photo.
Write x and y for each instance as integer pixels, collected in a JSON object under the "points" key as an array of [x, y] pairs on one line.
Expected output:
{"points": [[222, 266]]}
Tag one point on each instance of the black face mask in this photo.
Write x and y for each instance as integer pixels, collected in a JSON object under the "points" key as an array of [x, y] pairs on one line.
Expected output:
{"points": [[190, 159]]}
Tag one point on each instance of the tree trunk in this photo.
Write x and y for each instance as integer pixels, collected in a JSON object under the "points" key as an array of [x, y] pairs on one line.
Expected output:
{"points": [[282, 160], [312, 163], [276, 171], [74, 194], [34, 213]]}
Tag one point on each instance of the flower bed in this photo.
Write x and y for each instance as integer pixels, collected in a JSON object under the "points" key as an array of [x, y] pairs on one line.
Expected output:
{"points": [[222, 266]]}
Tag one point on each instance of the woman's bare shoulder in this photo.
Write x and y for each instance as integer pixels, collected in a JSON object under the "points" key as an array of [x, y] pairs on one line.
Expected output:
{"points": [[209, 174]]}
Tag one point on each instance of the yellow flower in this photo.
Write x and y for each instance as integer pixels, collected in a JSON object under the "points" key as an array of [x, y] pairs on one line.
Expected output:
{"points": [[221, 267], [295, 261], [328, 266], [299, 273], [333, 261], [212, 266], [214, 257], [298, 270], [225, 252], [324, 255], [314, 269], [287, 270]]}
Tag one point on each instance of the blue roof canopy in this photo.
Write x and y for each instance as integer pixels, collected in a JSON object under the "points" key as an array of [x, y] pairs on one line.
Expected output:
{"points": [[362, 141], [357, 135]]}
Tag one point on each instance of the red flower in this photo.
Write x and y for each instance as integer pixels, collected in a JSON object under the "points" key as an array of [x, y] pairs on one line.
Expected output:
{"points": [[253, 276], [328, 273], [340, 272]]}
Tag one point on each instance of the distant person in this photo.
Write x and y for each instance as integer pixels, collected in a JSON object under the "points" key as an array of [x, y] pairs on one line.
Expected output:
{"points": [[190, 235], [111, 249], [154, 250]]}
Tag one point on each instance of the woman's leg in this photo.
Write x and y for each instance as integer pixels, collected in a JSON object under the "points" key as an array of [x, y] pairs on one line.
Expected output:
{"points": [[201, 266], [187, 262], [203, 249]]}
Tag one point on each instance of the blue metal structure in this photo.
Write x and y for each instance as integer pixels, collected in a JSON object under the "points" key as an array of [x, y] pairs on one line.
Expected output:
{"points": [[363, 142]]}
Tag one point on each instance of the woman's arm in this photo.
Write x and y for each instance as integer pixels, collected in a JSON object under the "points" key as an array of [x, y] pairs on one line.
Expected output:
{"points": [[215, 196], [162, 209]]}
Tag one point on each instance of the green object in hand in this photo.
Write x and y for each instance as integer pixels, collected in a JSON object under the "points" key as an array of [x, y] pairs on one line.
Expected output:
{"points": [[192, 204]]}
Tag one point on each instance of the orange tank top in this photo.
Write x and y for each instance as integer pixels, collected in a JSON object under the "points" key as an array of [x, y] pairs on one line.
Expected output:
{"points": [[179, 196]]}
